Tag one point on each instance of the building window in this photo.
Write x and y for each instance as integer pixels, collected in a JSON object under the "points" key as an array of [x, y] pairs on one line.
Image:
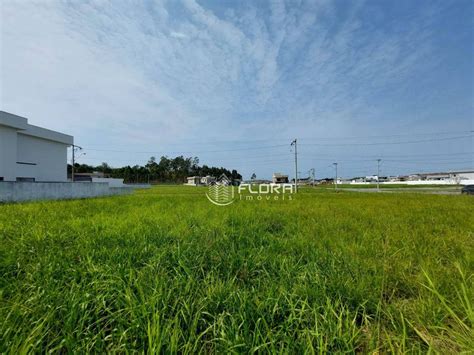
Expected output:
{"points": [[25, 179]]}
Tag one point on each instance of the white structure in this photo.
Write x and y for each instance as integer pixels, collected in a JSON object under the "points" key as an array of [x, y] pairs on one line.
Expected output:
{"points": [[279, 178], [194, 181], [31, 153], [456, 177], [208, 180]]}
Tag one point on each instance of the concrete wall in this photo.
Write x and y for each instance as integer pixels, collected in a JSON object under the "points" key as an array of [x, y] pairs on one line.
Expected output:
{"points": [[27, 191], [49, 157], [111, 181]]}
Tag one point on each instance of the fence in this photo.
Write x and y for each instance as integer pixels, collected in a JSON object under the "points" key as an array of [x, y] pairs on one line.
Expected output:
{"points": [[27, 191]]}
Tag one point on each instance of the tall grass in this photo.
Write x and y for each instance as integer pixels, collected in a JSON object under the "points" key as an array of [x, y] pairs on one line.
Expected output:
{"points": [[166, 271]]}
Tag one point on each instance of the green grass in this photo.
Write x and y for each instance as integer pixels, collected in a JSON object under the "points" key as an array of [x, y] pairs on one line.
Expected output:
{"points": [[164, 270]]}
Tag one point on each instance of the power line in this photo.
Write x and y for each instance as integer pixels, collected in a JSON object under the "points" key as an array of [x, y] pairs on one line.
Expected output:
{"points": [[387, 143], [371, 157], [281, 145], [190, 152], [273, 139]]}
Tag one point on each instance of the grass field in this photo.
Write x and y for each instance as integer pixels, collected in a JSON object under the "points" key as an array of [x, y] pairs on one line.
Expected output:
{"points": [[164, 270]]}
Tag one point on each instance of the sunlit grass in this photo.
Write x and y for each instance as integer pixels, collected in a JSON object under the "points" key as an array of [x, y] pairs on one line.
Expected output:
{"points": [[165, 270]]}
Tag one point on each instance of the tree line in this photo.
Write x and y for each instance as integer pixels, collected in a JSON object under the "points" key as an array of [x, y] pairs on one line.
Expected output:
{"points": [[166, 170]]}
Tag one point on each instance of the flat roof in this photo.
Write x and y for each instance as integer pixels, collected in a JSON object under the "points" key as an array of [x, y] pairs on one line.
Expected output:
{"points": [[14, 121], [21, 124]]}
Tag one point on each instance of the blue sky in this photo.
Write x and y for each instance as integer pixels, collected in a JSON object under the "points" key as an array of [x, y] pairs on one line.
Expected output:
{"points": [[233, 82]]}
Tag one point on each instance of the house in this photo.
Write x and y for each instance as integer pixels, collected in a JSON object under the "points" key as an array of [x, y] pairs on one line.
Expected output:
{"points": [[278, 178], [194, 181], [31, 153], [208, 180], [371, 178], [455, 177]]}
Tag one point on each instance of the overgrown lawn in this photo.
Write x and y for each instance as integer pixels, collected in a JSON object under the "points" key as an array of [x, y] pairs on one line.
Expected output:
{"points": [[165, 270]]}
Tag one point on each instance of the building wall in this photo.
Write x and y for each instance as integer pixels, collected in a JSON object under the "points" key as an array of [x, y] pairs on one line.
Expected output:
{"points": [[8, 153], [50, 159], [466, 175]]}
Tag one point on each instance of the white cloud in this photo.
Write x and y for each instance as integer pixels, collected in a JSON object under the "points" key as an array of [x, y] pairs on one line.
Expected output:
{"points": [[149, 74]]}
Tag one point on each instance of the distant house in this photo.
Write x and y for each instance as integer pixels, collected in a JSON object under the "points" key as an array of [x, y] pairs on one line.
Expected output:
{"points": [[194, 181], [207, 180], [453, 176], [371, 178], [279, 178], [463, 175], [358, 180]]}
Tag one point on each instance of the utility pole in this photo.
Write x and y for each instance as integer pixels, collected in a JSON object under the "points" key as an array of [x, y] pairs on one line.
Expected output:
{"points": [[296, 165], [378, 174], [73, 160], [335, 181], [311, 173]]}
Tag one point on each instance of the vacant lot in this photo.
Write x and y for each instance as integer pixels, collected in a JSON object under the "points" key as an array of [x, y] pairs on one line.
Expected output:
{"points": [[165, 270]]}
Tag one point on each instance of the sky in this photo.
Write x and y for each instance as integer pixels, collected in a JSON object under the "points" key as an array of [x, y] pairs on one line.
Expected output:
{"points": [[234, 82]]}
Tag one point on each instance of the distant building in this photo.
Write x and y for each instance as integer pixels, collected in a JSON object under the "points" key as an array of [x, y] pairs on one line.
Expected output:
{"points": [[325, 181], [194, 181], [454, 176], [463, 175], [371, 178], [278, 178], [207, 180], [442, 178], [88, 177], [31, 153]]}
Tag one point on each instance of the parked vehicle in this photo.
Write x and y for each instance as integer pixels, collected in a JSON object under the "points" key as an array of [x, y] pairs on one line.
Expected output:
{"points": [[468, 190]]}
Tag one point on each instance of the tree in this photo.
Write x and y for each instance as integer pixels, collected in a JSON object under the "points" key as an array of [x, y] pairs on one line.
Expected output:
{"points": [[166, 170], [253, 177], [104, 168]]}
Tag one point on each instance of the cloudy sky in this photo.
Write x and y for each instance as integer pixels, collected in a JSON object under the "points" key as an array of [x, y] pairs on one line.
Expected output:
{"points": [[233, 82]]}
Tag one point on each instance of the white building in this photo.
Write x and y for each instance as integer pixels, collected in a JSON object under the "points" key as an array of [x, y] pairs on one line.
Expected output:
{"points": [[208, 180], [279, 178], [31, 153], [194, 180]]}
